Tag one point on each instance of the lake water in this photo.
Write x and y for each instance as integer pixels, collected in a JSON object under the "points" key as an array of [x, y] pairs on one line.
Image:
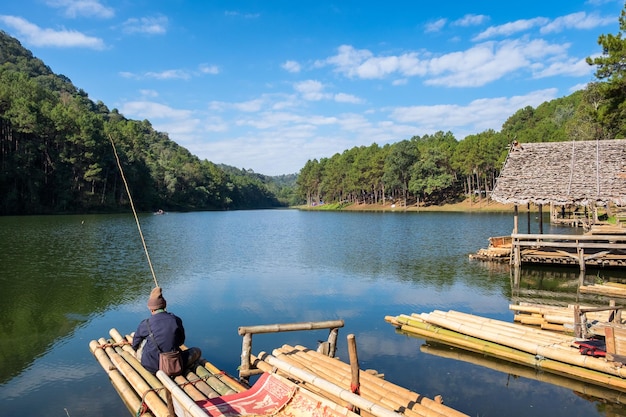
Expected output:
{"points": [[66, 280]]}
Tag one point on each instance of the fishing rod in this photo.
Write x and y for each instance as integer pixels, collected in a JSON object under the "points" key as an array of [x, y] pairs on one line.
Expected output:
{"points": [[132, 206]]}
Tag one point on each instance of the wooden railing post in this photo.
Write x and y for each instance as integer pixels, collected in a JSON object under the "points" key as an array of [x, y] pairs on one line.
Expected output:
{"points": [[246, 351], [245, 369]]}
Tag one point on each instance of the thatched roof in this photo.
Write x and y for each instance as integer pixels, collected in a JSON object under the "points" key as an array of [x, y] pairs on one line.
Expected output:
{"points": [[579, 173]]}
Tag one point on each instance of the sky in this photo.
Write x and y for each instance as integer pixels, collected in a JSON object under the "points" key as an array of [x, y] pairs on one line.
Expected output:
{"points": [[267, 85]]}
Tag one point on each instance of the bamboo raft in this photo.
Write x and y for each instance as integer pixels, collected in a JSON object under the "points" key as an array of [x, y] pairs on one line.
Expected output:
{"points": [[312, 385], [540, 349], [611, 289], [506, 367], [563, 319]]}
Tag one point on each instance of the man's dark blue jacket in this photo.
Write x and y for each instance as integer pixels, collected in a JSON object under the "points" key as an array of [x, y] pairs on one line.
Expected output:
{"points": [[168, 332]]}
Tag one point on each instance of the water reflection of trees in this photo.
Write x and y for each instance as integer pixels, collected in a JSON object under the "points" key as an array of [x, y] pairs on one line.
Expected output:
{"points": [[543, 285], [559, 286]]}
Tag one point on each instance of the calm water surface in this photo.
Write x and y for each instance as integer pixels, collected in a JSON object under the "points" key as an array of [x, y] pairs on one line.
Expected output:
{"points": [[66, 280]]}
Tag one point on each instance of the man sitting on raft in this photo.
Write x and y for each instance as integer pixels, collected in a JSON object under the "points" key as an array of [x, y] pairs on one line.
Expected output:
{"points": [[161, 332]]}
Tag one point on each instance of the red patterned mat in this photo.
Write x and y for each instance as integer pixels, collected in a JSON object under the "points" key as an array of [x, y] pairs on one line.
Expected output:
{"points": [[268, 395]]}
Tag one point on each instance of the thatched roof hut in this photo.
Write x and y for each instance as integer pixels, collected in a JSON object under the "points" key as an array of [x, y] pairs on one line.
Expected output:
{"points": [[564, 173]]}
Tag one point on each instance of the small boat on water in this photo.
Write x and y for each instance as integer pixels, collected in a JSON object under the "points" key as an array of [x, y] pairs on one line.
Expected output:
{"points": [[293, 381]]}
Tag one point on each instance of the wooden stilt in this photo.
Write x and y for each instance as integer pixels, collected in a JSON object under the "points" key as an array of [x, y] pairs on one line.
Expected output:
{"points": [[355, 383]]}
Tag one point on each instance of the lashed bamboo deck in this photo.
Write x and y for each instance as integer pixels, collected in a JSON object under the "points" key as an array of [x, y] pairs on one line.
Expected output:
{"points": [[564, 318], [610, 289], [588, 250], [323, 380], [541, 349]]}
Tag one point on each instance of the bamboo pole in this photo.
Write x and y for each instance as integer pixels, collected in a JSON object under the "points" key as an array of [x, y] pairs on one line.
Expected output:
{"points": [[189, 388], [478, 322], [200, 383], [433, 332], [183, 400], [603, 290], [381, 389], [216, 383], [129, 355], [344, 394], [154, 401], [206, 375], [266, 367], [127, 394], [224, 377], [372, 387], [494, 330], [290, 327], [390, 400], [525, 371]]}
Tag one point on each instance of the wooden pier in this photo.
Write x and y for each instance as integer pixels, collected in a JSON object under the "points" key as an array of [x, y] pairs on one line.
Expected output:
{"points": [[582, 250]]}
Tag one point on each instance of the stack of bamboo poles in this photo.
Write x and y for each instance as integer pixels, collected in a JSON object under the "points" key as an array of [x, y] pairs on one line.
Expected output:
{"points": [[372, 386], [510, 368], [555, 318], [547, 350], [611, 289], [139, 389]]}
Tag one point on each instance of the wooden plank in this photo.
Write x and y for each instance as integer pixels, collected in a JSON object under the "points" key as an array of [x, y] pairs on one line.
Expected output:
{"points": [[619, 335], [609, 338]]}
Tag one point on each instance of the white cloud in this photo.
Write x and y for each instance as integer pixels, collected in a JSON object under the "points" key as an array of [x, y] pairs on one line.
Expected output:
{"points": [[235, 13], [291, 66], [477, 66], [83, 8], [579, 20], [209, 69], [142, 109], [571, 67], [477, 116], [168, 74], [34, 35], [156, 25], [363, 64], [435, 26], [577, 87], [311, 90], [347, 98], [471, 20], [249, 106], [149, 93], [511, 28]]}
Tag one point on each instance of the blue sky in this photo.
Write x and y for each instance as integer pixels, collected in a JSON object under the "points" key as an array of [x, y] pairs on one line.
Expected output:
{"points": [[268, 85]]}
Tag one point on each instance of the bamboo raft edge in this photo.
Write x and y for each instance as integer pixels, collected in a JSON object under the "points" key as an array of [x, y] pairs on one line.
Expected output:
{"points": [[559, 357], [146, 394]]}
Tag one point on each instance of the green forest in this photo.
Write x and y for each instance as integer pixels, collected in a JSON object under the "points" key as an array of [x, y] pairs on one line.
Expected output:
{"points": [[57, 154], [437, 169]]}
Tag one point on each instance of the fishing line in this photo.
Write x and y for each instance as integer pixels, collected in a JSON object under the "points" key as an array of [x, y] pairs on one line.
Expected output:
{"points": [[132, 206]]}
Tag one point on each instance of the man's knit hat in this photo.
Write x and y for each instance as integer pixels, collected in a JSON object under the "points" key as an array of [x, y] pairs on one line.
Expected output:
{"points": [[156, 300]]}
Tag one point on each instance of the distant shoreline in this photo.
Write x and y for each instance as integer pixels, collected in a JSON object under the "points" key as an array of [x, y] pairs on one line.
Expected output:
{"points": [[466, 206]]}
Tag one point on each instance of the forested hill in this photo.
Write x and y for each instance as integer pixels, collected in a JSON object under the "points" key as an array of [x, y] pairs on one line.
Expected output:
{"points": [[56, 154]]}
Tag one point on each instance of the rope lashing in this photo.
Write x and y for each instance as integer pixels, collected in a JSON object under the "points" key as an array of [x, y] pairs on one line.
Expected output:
{"points": [[143, 407], [106, 345]]}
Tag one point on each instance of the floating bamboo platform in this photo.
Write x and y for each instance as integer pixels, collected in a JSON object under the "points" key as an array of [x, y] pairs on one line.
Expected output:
{"points": [[563, 319], [546, 350], [610, 289], [310, 384], [588, 250], [510, 368]]}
